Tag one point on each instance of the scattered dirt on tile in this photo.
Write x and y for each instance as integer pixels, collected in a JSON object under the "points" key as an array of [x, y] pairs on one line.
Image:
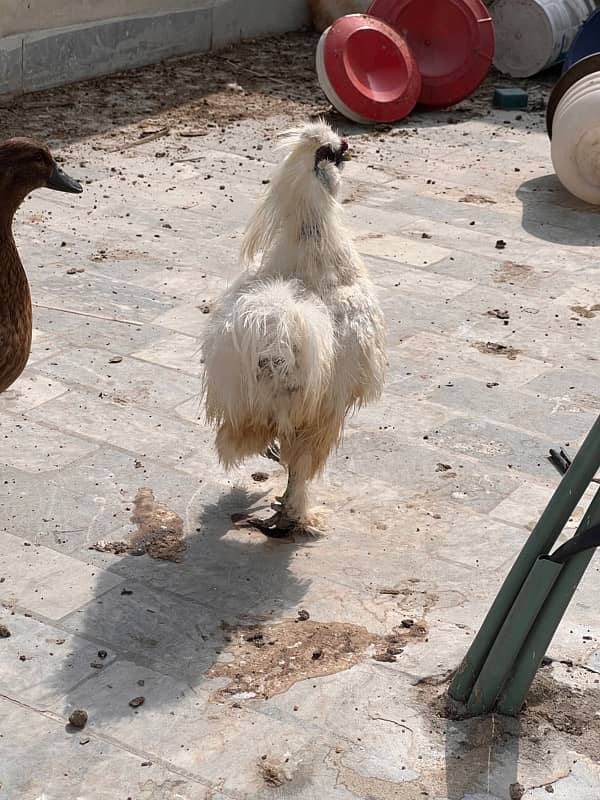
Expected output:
{"points": [[510, 272], [394, 643], [260, 477], [117, 254], [496, 349], [117, 548], [516, 791], [136, 702], [4, 632], [159, 530], [498, 313], [568, 710], [78, 718], [585, 311], [478, 199], [268, 659], [274, 771], [386, 656]]}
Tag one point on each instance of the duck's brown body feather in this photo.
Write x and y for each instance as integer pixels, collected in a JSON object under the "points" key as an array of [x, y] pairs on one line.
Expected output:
{"points": [[25, 165], [15, 313]]}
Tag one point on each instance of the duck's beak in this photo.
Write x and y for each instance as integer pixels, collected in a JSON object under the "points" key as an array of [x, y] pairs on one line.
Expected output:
{"points": [[62, 182]]}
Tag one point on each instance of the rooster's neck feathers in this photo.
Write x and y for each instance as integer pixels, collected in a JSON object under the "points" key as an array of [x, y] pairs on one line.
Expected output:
{"points": [[297, 227]]}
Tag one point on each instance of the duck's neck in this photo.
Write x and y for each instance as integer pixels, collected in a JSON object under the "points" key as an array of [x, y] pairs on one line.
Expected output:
{"points": [[10, 262]]}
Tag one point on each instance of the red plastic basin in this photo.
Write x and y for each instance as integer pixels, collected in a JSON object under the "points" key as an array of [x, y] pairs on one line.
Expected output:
{"points": [[367, 70], [453, 42]]}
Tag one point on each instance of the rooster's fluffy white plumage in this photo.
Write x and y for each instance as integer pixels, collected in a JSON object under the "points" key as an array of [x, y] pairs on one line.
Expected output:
{"points": [[297, 341]]}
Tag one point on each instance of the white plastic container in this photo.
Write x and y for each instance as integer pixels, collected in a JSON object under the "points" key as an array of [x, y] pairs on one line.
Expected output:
{"points": [[575, 146], [531, 35]]}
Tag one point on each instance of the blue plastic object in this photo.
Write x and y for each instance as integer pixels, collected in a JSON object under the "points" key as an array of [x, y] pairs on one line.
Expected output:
{"points": [[586, 43]]}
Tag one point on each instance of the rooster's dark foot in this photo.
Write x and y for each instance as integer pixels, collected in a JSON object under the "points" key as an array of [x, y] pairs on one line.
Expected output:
{"points": [[280, 526], [269, 528]]}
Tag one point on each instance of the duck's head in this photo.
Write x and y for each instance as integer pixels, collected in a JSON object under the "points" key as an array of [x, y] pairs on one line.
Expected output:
{"points": [[26, 165]]}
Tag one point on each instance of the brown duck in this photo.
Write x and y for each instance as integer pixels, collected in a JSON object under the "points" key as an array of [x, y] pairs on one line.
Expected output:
{"points": [[25, 165]]}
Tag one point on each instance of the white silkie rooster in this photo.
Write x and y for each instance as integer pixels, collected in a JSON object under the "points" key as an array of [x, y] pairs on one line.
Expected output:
{"points": [[298, 340]]}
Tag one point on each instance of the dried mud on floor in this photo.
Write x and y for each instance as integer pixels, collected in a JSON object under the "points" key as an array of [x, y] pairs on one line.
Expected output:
{"points": [[269, 659], [158, 532]]}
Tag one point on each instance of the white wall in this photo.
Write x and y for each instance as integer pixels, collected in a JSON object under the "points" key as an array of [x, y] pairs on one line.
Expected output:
{"points": [[45, 43], [22, 16]]}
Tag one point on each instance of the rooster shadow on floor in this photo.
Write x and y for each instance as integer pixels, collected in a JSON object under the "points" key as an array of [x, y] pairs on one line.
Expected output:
{"points": [[175, 619]]}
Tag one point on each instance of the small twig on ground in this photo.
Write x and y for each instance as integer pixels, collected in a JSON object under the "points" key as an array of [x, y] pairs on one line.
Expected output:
{"points": [[262, 75], [191, 158], [142, 140], [92, 316], [571, 664], [392, 721], [548, 783], [190, 134]]}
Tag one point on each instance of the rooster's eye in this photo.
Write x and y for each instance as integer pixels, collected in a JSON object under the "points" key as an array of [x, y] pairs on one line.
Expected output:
{"points": [[325, 153]]}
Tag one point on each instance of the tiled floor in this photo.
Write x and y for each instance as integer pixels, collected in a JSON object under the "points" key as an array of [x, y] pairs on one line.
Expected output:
{"points": [[430, 497]]}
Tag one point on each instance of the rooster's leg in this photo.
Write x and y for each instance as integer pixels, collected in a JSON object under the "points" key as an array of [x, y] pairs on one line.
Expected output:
{"points": [[295, 499], [292, 516]]}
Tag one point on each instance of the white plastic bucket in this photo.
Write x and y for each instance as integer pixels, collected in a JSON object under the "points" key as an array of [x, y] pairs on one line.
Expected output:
{"points": [[575, 148], [534, 34]]}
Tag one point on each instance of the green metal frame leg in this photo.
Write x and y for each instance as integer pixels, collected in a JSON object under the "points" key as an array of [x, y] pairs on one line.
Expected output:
{"points": [[540, 636], [512, 636], [569, 492]]}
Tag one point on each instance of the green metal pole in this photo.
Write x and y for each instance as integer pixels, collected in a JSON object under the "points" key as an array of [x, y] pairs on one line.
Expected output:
{"points": [[557, 512], [538, 641], [513, 634]]}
